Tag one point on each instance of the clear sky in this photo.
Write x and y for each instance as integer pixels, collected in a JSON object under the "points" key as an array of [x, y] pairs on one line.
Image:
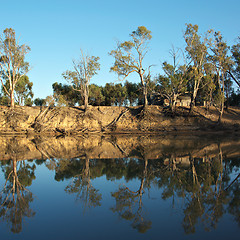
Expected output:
{"points": [[56, 30]]}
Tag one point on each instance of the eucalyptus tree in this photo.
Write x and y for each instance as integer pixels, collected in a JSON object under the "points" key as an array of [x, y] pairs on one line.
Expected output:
{"points": [[120, 94], [96, 97], [174, 82], [207, 86], [84, 69], [228, 83], [221, 62], [129, 56], [109, 94], [132, 92], [197, 47], [12, 62], [23, 90], [65, 93], [236, 58], [39, 102]]}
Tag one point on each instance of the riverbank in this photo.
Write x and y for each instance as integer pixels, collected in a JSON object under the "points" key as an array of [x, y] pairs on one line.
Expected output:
{"points": [[115, 120]]}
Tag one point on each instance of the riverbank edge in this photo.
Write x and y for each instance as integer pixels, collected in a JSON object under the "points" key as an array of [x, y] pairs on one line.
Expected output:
{"points": [[154, 120]]}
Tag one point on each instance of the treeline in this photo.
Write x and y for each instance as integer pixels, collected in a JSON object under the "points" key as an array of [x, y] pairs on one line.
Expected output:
{"points": [[206, 71], [112, 94], [126, 94]]}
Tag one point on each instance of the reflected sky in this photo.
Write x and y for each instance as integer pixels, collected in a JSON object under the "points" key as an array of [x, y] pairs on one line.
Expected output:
{"points": [[184, 193]]}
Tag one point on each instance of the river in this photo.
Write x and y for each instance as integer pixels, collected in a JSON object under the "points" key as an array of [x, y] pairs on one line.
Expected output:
{"points": [[120, 187]]}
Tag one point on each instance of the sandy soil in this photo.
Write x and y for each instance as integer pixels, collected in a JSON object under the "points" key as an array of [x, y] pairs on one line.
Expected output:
{"points": [[153, 119]]}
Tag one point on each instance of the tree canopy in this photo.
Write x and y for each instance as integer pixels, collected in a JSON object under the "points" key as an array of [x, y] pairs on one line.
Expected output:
{"points": [[129, 56], [12, 62]]}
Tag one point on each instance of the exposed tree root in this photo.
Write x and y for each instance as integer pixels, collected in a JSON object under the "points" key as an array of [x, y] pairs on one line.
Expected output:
{"points": [[42, 120], [112, 125]]}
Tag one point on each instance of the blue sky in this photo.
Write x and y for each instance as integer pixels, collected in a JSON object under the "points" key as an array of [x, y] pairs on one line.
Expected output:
{"points": [[56, 30]]}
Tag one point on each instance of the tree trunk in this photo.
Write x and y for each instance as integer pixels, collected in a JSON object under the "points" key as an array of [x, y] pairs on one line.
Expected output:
{"points": [[235, 80], [144, 88], [85, 97], [85, 102], [12, 102], [222, 98], [193, 100], [227, 102], [220, 113], [173, 103], [192, 105], [145, 96]]}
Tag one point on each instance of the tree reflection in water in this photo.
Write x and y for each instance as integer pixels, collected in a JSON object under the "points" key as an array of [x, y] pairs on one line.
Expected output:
{"points": [[204, 187], [206, 182], [81, 186], [203, 184], [15, 199], [129, 204]]}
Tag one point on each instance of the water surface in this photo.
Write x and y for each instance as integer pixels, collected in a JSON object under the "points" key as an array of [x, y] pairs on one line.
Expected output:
{"points": [[126, 187]]}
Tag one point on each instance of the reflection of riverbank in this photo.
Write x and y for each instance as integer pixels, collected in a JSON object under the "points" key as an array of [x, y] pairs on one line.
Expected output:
{"points": [[99, 147]]}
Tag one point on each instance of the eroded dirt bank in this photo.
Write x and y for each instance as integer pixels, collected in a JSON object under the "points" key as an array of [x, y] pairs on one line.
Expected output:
{"points": [[74, 121], [112, 147]]}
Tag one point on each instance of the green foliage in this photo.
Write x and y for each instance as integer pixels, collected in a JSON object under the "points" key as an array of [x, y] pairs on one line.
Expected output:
{"points": [[129, 57], [132, 90], [174, 81], [120, 94], [4, 100], [23, 92], [236, 57], [39, 102], [142, 33], [234, 99], [96, 97], [197, 48], [114, 94], [12, 62], [109, 94], [50, 101], [65, 95], [221, 62]]}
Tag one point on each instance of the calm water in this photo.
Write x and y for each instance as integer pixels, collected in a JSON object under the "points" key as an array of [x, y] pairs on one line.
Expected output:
{"points": [[120, 188]]}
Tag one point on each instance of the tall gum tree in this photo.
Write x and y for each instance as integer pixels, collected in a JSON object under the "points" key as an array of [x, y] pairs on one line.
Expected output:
{"points": [[84, 69], [129, 56], [197, 50], [174, 82], [235, 72], [221, 62], [12, 62]]}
